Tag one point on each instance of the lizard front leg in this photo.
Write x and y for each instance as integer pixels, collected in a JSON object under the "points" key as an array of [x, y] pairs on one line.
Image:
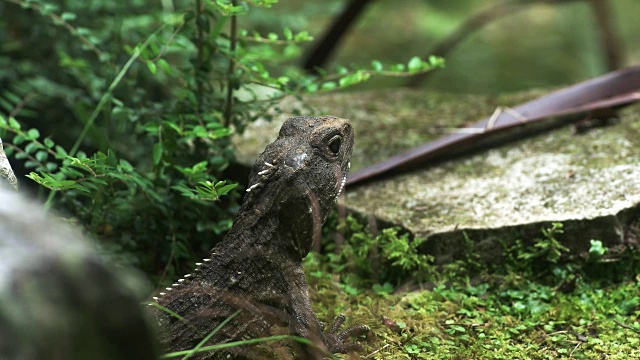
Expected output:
{"points": [[337, 342], [305, 323]]}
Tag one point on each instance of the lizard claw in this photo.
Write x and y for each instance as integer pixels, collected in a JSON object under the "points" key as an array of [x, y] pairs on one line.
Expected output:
{"points": [[337, 341]]}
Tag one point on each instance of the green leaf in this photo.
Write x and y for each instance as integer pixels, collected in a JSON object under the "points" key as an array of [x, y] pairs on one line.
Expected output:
{"points": [[415, 64], [31, 147], [225, 189], [273, 36], [164, 65], [283, 80], [31, 164], [117, 102], [220, 133], [152, 67], [125, 165], [173, 126], [329, 85], [200, 131], [436, 61], [153, 46], [33, 134], [355, 78], [157, 153], [61, 152], [14, 123], [18, 139], [597, 250], [49, 143], [41, 156], [399, 67], [377, 66], [303, 36], [200, 167], [67, 16], [288, 35]]}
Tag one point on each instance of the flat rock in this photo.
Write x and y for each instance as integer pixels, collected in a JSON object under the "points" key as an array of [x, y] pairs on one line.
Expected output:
{"points": [[590, 182]]}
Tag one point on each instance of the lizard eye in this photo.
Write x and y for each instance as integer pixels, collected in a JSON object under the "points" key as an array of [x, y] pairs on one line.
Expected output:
{"points": [[334, 144]]}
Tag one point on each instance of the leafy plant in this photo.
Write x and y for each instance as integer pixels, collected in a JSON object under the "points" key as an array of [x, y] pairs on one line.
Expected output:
{"points": [[131, 134], [370, 261], [597, 250], [547, 247]]}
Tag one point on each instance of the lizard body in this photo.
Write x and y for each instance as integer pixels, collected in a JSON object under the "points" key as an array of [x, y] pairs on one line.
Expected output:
{"points": [[257, 268]]}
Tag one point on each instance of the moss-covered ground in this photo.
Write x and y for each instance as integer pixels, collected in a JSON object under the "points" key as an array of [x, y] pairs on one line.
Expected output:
{"points": [[542, 302]]}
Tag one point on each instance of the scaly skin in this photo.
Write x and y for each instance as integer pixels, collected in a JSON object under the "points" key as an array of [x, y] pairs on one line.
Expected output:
{"points": [[257, 268]]}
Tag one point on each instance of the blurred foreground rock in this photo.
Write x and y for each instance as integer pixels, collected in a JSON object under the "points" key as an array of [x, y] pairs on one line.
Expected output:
{"points": [[590, 181], [58, 300]]}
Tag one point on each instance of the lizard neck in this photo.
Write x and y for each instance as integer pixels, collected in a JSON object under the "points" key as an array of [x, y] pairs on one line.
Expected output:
{"points": [[288, 223]]}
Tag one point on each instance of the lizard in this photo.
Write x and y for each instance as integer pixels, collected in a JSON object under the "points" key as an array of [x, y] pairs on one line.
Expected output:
{"points": [[257, 267]]}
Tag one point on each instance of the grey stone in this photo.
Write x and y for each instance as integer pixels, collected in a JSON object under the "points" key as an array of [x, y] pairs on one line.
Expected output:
{"points": [[6, 173], [58, 299]]}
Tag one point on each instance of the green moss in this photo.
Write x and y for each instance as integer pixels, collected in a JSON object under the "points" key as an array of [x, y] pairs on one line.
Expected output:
{"points": [[534, 306]]}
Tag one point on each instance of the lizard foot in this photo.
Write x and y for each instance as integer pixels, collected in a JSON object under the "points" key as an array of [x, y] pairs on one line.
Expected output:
{"points": [[337, 342]]}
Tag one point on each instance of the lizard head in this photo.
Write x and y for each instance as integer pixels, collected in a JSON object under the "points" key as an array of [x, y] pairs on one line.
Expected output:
{"points": [[302, 173], [319, 153]]}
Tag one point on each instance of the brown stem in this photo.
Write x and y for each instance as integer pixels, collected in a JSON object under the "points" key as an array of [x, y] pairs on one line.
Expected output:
{"points": [[321, 52], [475, 23], [228, 114], [200, 56], [608, 38]]}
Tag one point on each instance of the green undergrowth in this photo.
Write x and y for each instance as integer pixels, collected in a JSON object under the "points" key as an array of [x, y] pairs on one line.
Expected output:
{"points": [[541, 302]]}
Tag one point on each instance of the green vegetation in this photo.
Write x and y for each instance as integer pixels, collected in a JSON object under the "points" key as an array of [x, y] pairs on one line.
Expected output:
{"points": [[542, 302], [125, 120]]}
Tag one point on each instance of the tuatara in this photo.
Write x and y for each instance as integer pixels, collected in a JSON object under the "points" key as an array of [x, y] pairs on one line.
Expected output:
{"points": [[257, 268]]}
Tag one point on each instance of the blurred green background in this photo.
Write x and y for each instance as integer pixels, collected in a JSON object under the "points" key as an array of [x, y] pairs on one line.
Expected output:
{"points": [[542, 45]]}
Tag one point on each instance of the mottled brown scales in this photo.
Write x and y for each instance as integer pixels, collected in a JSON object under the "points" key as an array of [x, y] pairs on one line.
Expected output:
{"points": [[257, 268]]}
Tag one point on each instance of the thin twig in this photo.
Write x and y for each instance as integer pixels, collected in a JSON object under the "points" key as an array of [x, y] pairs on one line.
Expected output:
{"points": [[228, 113], [23, 102], [377, 351], [64, 24], [557, 333], [166, 268], [626, 326], [574, 349], [166, 46]]}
